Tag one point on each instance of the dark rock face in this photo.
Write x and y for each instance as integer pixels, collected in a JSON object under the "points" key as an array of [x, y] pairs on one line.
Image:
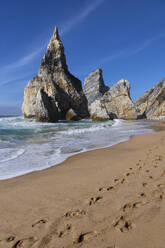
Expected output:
{"points": [[106, 103], [152, 104], [94, 87], [46, 109], [54, 91]]}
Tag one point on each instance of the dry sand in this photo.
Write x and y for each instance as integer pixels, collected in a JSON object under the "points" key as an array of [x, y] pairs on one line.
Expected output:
{"points": [[108, 198]]}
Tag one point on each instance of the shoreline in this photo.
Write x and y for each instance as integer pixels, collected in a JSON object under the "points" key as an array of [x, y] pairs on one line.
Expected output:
{"points": [[110, 197], [151, 127], [156, 127]]}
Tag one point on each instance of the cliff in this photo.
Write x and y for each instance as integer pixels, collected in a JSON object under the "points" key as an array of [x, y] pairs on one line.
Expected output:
{"points": [[152, 104]]}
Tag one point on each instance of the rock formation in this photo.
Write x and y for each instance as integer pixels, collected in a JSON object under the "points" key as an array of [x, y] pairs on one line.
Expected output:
{"points": [[98, 111], [118, 103], [94, 87], [55, 94], [152, 104], [108, 103], [54, 91]]}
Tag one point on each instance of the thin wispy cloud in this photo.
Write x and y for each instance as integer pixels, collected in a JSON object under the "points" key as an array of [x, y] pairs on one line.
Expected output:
{"points": [[130, 52], [73, 22], [27, 59], [15, 78], [10, 73], [18, 69]]}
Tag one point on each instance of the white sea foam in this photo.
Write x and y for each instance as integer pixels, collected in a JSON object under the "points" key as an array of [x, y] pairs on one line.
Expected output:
{"points": [[27, 146], [8, 154], [86, 130]]}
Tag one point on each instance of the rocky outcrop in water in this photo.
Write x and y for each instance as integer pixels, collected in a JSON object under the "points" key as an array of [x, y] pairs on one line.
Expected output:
{"points": [[55, 94], [98, 111], [152, 104], [118, 103], [94, 87], [54, 91], [108, 103]]}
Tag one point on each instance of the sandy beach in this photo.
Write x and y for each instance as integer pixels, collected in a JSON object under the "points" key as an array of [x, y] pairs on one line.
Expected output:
{"points": [[107, 198]]}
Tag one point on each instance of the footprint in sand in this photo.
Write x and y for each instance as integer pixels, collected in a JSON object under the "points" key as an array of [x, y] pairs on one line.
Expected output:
{"points": [[10, 239], [144, 184], [101, 189], [76, 213], [158, 194], [142, 194], [128, 174], [158, 158], [116, 180], [40, 222], [129, 206], [109, 188], [62, 233], [84, 236], [123, 224], [123, 180], [160, 185], [25, 243], [106, 188], [138, 163], [94, 200]]}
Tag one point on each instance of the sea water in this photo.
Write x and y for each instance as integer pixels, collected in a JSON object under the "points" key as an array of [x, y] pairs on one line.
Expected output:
{"points": [[26, 145]]}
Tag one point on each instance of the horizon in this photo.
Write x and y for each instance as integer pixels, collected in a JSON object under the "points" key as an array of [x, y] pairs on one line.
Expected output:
{"points": [[125, 40]]}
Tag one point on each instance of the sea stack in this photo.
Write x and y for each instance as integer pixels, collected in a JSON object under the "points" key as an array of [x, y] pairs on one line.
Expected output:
{"points": [[118, 102], [106, 103], [54, 93], [94, 87]]}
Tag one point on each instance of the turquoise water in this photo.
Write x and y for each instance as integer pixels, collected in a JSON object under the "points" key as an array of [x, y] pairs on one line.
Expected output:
{"points": [[26, 145]]}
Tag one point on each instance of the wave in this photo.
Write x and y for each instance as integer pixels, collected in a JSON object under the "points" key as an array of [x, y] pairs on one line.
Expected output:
{"points": [[8, 154], [95, 127], [26, 145]]}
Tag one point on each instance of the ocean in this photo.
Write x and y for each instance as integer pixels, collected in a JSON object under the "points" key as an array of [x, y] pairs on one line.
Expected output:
{"points": [[26, 145]]}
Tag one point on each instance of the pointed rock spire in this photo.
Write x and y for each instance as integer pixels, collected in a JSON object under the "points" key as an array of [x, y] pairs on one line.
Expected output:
{"points": [[54, 57], [54, 94], [56, 33]]}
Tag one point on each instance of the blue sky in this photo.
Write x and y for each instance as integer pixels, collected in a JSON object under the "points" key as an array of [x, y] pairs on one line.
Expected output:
{"points": [[126, 38]]}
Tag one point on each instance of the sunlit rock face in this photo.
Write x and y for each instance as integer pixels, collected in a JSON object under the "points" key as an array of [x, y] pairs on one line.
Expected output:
{"points": [[106, 103], [152, 104], [54, 91], [118, 102], [94, 87]]}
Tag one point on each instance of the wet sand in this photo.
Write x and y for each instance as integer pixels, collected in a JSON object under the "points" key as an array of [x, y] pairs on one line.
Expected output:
{"points": [[107, 198]]}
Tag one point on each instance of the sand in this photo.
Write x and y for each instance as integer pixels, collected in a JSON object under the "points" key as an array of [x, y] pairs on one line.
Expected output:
{"points": [[107, 198]]}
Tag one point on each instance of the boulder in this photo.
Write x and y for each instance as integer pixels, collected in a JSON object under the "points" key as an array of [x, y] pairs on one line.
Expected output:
{"points": [[152, 104], [54, 91], [98, 111], [72, 116]]}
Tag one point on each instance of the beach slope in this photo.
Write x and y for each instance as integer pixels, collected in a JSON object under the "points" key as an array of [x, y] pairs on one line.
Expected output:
{"points": [[107, 198]]}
